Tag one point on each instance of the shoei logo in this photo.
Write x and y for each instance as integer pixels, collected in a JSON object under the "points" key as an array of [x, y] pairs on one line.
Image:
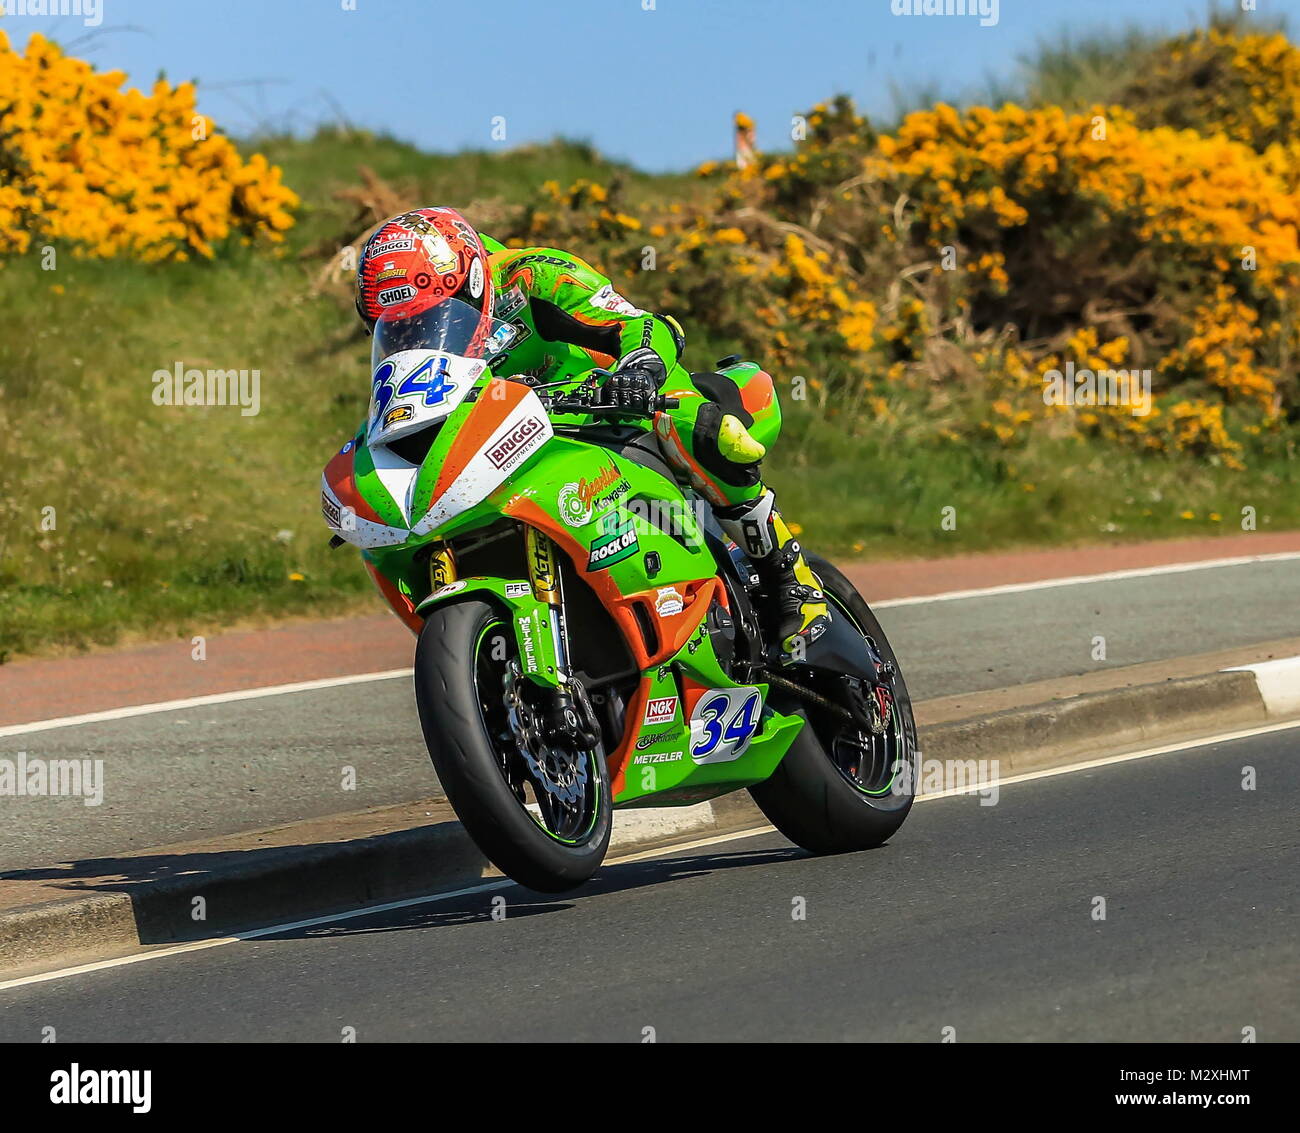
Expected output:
{"points": [[515, 444], [396, 295], [661, 710]]}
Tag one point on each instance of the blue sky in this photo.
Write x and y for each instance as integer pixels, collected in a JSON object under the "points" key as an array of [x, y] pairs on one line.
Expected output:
{"points": [[656, 87]]}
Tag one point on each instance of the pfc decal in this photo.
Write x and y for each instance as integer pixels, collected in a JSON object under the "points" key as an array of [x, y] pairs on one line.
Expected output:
{"points": [[517, 589], [660, 710]]}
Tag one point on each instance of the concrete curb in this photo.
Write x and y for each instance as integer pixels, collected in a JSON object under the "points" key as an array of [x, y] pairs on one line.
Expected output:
{"points": [[389, 854]]}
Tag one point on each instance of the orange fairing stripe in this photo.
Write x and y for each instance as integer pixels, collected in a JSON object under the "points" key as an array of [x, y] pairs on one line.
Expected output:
{"points": [[495, 403], [617, 762], [759, 393], [339, 476], [402, 606]]}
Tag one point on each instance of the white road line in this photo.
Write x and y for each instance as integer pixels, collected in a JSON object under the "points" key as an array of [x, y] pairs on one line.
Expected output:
{"points": [[660, 851], [199, 701], [363, 678], [1070, 768], [1083, 579]]}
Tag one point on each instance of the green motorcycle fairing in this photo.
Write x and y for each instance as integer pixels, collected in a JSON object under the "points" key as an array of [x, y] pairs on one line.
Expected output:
{"points": [[629, 534]]}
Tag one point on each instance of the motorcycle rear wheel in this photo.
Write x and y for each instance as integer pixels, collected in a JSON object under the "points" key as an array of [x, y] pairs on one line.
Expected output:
{"points": [[833, 793]]}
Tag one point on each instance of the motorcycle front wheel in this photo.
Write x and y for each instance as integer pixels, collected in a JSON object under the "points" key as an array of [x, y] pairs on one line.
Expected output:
{"points": [[540, 812]]}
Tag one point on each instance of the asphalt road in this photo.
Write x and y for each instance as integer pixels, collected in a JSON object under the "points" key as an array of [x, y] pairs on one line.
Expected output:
{"points": [[198, 772], [977, 918]]}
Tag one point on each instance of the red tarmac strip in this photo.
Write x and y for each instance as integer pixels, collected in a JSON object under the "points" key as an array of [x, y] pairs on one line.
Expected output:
{"points": [[43, 689]]}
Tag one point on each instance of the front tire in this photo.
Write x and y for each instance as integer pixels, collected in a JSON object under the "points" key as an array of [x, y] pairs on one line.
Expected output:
{"points": [[820, 798], [470, 697]]}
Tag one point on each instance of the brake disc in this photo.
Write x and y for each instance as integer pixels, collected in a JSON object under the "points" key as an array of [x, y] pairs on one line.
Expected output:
{"points": [[559, 773]]}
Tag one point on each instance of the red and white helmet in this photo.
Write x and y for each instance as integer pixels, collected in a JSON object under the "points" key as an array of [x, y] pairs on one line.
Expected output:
{"points": [[417, 260]]}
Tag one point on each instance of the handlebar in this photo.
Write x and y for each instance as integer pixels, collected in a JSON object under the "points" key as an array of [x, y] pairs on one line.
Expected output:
{"points": [[584, 403]]}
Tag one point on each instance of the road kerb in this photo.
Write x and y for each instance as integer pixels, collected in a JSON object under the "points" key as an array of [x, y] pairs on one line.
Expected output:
{"points": [[68, 914]]}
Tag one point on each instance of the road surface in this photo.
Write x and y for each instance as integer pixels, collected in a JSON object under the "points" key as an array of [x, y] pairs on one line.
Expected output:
{"points": [[977, 918], [246, 764]]}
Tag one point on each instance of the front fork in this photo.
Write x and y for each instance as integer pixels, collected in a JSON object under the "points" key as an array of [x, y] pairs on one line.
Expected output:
{"points": [[571, 716]]}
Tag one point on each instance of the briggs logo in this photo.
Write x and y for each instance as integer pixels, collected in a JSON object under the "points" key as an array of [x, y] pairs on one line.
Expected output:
{"points": [[661, 710], [513, 444], [331, 511]]}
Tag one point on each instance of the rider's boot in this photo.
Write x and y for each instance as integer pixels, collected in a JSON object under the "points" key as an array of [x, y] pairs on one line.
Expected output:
{"points": [[796, 593]]}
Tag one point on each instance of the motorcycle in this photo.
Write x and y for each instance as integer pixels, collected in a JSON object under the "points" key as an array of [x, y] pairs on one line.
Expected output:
{"points": [[588, 637]]}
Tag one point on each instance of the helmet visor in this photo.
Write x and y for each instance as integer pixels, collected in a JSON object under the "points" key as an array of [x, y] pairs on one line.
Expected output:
{"points": [[449, 327]]}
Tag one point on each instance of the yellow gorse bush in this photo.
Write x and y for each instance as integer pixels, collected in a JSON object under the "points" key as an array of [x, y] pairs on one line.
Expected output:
{"points": [[115, 172], [970, 253], [1214, 80]]}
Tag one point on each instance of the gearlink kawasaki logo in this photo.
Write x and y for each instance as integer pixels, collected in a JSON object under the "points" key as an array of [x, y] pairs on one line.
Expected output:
{"points": [[574, 510]]}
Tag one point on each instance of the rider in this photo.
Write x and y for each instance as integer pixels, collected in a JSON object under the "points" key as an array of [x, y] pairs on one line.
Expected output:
{"points": [[568, 318]]}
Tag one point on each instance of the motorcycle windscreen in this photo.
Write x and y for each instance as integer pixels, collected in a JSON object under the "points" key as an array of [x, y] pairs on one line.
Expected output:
{"points": [[424, 365]]}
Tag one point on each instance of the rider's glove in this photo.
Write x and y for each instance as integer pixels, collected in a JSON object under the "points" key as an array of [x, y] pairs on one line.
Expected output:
{"points": [[634, 390], [634, 386]]}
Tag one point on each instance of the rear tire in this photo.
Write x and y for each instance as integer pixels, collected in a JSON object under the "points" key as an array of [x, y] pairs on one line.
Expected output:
{"points": [[809, 798], [473, 760]]}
